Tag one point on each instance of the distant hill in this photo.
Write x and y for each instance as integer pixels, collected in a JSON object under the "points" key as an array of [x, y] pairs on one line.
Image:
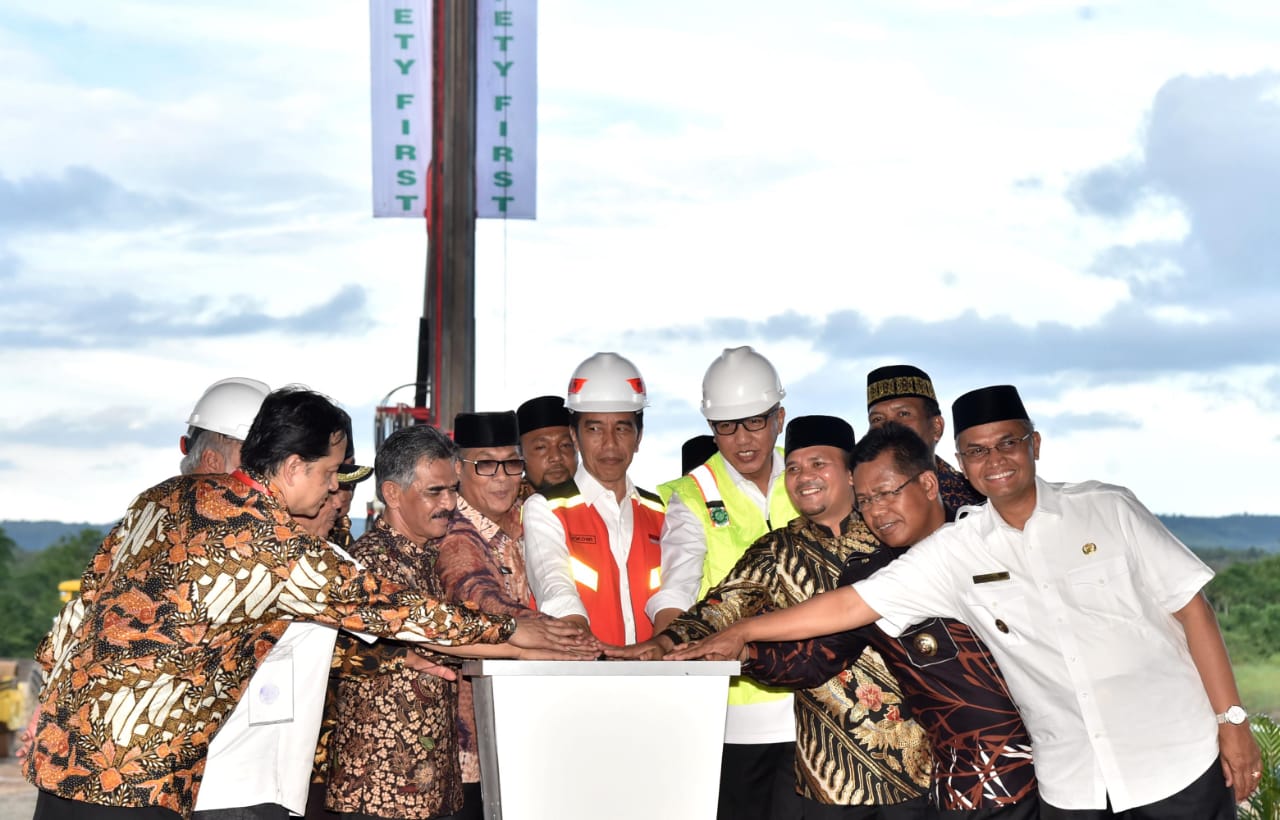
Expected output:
{"points": [[1233, 532], [34, 536], [1230, 532]]}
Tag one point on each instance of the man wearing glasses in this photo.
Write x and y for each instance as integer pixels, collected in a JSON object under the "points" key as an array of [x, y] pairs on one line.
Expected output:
{"points": [[482, 554], [714, 512], [982, 766], [859, 756], [903, 394], [1096, 616]]}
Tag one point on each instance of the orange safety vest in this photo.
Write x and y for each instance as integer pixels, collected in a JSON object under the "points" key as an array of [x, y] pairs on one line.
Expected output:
{"points": [[595, 572]]}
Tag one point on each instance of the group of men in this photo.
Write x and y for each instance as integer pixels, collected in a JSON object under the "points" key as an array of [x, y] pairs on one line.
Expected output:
{"points": [[979, 669]]}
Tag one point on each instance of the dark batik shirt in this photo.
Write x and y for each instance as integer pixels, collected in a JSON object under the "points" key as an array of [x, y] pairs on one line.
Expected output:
{"points": [[955, 489], [981, 750], [393, 751], [855, 741]]}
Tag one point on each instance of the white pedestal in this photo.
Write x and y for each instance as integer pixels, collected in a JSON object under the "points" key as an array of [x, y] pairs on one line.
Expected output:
{"points": [[584, 740]]}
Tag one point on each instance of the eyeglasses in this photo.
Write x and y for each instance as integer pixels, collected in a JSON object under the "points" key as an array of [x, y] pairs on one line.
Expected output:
{"points": [[489, 466], [754, 424], [875, 499], [1005, 445]]}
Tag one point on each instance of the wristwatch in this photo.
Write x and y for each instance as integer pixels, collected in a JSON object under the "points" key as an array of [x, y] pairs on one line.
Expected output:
{"points": [[1234, 714]]}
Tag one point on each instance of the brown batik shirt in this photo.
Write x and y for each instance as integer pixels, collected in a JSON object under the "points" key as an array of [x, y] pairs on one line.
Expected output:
{"points": [[482, 562], [393, 750], [982, 752], [855, 742], [180, 603]]}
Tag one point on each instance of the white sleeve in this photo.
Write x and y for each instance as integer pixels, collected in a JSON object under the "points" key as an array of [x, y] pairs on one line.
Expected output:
{"points": [[547, 561], [912, 588], [684, 547], [1170, 571]]}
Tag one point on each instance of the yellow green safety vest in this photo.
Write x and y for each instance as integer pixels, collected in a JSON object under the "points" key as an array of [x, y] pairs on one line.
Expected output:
{"points": [[732, 522]]}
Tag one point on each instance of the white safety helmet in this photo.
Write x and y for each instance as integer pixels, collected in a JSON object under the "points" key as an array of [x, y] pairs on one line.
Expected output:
{"points": [[738, 384], [229, 406], [606, 383]]}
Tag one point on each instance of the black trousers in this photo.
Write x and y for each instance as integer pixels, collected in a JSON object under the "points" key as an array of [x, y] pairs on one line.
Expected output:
{"points": [[1207, 798], [1027, 808], [917, 809], [263, 811], [758, 782], [52, 807]]}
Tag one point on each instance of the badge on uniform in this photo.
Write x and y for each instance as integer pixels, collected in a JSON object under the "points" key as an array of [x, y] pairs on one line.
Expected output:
{"points": [[991, 577], [719, 515]]}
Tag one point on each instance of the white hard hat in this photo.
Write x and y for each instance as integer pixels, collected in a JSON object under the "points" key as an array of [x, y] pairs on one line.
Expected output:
{"points": [[606, 383], [738, 384], [229, 406]]}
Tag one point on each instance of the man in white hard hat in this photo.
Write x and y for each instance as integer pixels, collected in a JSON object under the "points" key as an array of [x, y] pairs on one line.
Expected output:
{"points": [[218, 424], [592, 543], [181, 601], [713, 514]]}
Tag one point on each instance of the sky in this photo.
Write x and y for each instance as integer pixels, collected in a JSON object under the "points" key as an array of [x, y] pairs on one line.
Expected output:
{"points": [[1078, 199]]}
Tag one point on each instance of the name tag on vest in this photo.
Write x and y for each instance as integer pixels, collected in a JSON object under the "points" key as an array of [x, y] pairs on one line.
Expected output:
{"points": [[582, 539]]}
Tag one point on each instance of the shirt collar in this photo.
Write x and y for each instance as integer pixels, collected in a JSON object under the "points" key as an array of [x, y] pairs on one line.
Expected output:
{"points": [[1048, 502], [775, 469], [591, 489]]}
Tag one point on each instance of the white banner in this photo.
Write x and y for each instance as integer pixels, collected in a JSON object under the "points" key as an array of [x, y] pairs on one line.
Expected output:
{"points": [[401, 61], [506, 109]]}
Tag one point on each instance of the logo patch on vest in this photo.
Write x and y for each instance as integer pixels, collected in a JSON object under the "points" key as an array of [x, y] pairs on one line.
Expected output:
{"points": [[719, 515], [582, 539]]}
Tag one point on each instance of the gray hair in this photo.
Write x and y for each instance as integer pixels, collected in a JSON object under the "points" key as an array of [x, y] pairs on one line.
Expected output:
{"points": [[198, 441], [398, 459]]}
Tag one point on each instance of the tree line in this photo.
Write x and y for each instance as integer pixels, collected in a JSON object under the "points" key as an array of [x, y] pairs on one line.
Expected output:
{"points": [[1245, 593]]}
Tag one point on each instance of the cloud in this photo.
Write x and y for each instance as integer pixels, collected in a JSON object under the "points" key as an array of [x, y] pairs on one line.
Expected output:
{"points": [[1076, 422], [1126, 344], [99, 429], [46, 318], [8, 465], [1212, 145], [82, 197]]}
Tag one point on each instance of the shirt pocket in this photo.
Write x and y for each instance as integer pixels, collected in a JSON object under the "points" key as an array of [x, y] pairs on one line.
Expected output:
{"points": [[1000, 613], [1104, 588], [929, 644]]}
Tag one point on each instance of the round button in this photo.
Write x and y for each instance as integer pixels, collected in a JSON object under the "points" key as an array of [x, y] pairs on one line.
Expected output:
{"points": [[925, 644]]}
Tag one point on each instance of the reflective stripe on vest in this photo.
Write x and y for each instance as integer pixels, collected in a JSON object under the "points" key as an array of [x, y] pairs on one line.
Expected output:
{"points": [[595, 570], [726, 543], [710, 489]]}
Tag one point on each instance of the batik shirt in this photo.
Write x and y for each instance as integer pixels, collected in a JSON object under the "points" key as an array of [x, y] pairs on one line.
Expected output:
{"points": [[855, 741], [394, 747], [482, 561], [181, 602], [981, 750], [955, 489]]}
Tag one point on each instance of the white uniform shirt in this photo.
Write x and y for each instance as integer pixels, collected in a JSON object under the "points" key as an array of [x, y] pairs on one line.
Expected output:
{"points": [[264, 750], [684, 547], [1077, 610], [547, 554]]}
